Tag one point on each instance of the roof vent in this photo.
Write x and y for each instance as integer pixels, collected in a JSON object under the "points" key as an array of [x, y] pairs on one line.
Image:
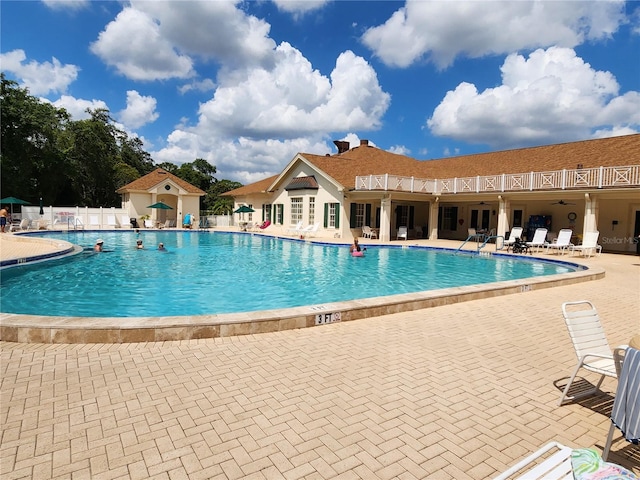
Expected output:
{"points": [[364, 143], [342, 145]]}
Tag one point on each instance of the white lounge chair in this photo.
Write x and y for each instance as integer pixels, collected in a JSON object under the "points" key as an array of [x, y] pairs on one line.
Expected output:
{"points": [[562, 243], [539, 239], [367, 232], [310, 231], [24, 224], [94, 222], [125, 221], [589, 245], [590, 344], [625, 414], [111, 221], [402, 233], [516, 232], [294, 230], [555, 461]]}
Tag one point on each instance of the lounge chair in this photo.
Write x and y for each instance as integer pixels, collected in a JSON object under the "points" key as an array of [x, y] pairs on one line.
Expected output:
{"points": [[265, 224], [589, 245], [111, 221], [516, 232], [590, 344], [402, 233], [367, 232], [294, 230], [625, 414], [555, 461], [125, 221], [24, 224], [539, 239], [94, 222], [310, 231], [562, 243]]}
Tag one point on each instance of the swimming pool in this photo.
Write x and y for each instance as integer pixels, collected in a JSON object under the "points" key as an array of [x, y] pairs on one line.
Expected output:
{"points": [[210, 273]]}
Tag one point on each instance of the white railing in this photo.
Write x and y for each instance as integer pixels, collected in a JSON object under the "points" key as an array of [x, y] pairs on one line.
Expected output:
{"points": [[600, 177]]}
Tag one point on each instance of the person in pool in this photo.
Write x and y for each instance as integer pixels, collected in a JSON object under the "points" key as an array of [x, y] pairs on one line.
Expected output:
{"points": [[98, 246], [139, 245], [356, 246], [161, 247]]}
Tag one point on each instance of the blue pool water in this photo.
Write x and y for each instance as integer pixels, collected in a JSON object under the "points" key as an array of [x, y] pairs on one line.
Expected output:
{"points": [[207, 273]]}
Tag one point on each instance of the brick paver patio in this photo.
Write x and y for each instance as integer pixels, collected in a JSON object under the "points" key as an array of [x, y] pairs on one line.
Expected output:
{"points": [[453, 392]]}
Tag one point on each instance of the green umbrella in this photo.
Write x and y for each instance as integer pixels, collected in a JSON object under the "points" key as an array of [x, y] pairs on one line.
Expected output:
{"points": [[244, 209], [13, 201], [161, 206]]}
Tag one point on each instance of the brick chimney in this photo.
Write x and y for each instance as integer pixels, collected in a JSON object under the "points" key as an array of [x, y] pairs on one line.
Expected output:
{"points": [[364, 143], [342, 146]]}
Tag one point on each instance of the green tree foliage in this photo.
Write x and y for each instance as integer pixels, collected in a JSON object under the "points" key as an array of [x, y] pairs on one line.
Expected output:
{"points": [[32, 145], [44, 153]]}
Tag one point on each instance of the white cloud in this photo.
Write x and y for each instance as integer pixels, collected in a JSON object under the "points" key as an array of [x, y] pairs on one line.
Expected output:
{"points": [[205, 85], [133, 44], [293, 99], [77, 107], [66, 4], [39, 78], [551, 96], [399, 150], [300, 6], [140, 110], [441, 31]]}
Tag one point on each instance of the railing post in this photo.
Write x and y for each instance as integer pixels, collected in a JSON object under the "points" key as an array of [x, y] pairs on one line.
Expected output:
{"points": [[386, 182], [531, 181], [600, 175], [412, 184], [477, 183], [564, 178], [502, 182], [370, 182], [455, 185]]}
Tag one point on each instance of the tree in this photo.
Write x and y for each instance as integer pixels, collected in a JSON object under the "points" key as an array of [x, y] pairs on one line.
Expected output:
{"points": [[215, 202], [32, 144]]}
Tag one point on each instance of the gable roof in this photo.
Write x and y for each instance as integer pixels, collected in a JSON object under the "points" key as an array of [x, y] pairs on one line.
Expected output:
{"points": [[152, 179], [261, 186], [368, 160], [302, 183]]}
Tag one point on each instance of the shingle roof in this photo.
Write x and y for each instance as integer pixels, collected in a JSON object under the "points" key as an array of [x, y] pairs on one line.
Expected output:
{"points": [[256, 187], [152, 179], [303, 183], [369, 160]]}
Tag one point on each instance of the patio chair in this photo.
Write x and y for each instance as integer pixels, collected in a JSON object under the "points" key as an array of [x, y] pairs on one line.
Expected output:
{"points": [[24, 224], [590, 344], [310, 231], [367, 232], [555, 461], [94, 222], [402, 233], [516, 232], [562, 243], [539, 239], [625, 414], [589, 245], [294, 230], [111, 221]]}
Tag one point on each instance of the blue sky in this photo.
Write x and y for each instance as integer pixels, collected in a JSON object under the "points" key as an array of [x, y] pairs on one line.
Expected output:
{"points": [[247, 85]]}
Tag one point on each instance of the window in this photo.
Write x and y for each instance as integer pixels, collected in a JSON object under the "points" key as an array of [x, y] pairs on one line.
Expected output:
{"points": [[251, 213], [279, 213], [360, 215], [331, 215], [403, 215], [296, 210], [312, 210], [448, 218]]}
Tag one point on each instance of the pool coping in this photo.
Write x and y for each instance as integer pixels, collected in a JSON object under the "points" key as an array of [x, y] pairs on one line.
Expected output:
{"points": [[47, 329]]}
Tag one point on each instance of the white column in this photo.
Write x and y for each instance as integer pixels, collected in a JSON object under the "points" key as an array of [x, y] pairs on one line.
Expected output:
{"points": [[590, 223], [504, 211], [385, 219], [433, 219]]}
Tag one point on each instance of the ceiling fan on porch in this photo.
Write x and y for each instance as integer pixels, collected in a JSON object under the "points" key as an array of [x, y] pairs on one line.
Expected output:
{"points": [[481, 203], [562, 202]]}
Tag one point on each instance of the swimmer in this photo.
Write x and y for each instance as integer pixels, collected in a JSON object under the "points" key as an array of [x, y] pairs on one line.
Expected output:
{"points": [[98, 246], [161, 247], [139, 245]]}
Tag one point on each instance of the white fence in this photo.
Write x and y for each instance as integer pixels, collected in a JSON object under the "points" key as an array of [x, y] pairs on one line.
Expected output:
{"points": [[601, 177]]}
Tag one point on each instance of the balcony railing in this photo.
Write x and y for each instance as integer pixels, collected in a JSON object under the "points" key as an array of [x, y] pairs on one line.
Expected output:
{"points": [[601, 177]]}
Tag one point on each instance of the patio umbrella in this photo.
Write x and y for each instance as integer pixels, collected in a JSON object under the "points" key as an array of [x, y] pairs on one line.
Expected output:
{"points": [[244, 209], [13, 201], [161, 206], [41, 207]]}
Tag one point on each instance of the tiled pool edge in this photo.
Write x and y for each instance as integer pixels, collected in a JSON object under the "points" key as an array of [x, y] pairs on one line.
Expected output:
{"points": [[44, 329]]}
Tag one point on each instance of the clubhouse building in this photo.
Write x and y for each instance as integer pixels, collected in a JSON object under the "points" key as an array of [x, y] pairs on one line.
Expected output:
{"points": [[585, 186]]}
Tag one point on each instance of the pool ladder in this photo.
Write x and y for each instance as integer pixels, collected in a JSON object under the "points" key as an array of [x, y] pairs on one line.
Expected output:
{"points": [[480, 245]]}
